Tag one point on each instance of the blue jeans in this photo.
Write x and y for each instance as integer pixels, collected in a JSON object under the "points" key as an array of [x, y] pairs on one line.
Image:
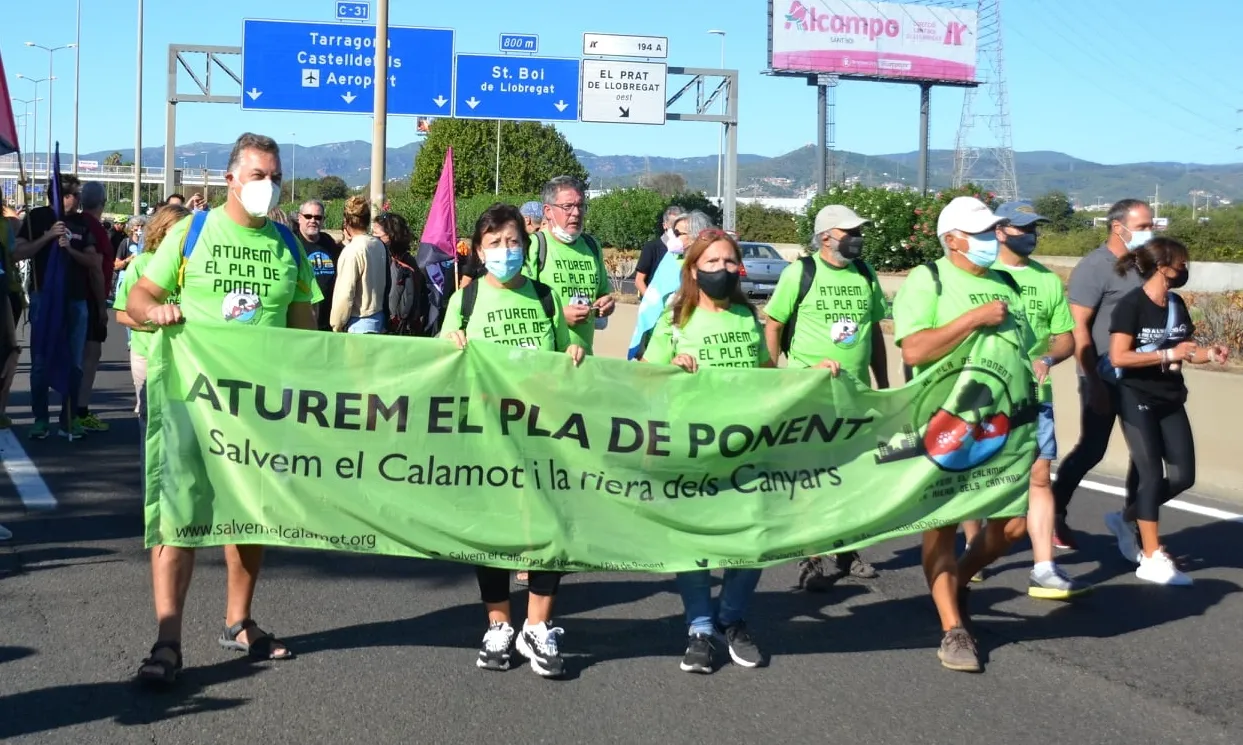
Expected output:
{"points": [[76, 318], [1046, 433], [373, 324], [736, 592]]}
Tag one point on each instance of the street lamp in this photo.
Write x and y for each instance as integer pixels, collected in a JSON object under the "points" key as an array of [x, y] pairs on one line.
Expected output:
{"points": [[51, 53], [32, 127], [720, 142], [36, 82]]}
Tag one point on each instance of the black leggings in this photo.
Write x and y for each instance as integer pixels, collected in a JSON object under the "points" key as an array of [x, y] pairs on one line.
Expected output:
{"points": [[494, 583], [1157, 435]]}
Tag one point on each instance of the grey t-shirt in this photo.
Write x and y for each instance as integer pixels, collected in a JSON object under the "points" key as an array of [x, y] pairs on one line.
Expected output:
{"points": [[1095, 284]]}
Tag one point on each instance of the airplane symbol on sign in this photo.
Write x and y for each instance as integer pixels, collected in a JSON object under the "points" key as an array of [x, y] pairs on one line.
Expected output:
{"points": [[310, 77]]}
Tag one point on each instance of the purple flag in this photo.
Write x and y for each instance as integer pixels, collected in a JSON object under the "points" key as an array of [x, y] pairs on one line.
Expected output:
{"points": [[50, 327], [438, 245]]}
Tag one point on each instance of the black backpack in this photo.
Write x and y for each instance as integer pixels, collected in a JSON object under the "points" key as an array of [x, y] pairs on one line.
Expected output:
{"points": [[936, 281], [805, 279], [408, 299], [470, 294]]}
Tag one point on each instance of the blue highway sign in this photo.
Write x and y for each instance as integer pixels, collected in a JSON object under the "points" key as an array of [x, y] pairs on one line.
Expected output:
{"points": [[329, 68], [517, 88], [350, 11], [528, 43]]}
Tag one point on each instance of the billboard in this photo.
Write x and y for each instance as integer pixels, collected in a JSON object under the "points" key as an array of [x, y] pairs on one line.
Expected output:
{"points": [[873, 40]]}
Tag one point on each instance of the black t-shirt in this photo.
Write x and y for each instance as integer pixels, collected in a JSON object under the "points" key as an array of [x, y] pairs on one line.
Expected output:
{"points": [[1137, 315], [649, 257], [323, 255], [81, 237]]}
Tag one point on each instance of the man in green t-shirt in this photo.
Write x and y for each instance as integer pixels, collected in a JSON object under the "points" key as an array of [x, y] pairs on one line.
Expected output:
{"points": [[1044, 299], [837, 319], [240, 271], [572, 264], [932, 316]]}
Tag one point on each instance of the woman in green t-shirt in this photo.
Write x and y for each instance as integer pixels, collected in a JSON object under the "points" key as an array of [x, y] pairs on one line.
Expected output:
{"points": [[505, 307], [710, 323], [140, 338]]}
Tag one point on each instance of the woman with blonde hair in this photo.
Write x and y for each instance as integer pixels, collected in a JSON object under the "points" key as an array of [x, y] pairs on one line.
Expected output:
{"points": [[362, 275], [140, 340]]}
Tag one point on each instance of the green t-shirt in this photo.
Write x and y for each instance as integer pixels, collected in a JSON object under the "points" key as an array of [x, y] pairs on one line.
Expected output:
{"points": [[917, 306], [140, 341], [512, 317], [575, 274], [837, 318], [727, 338], [238, 274], [1047, 310]]}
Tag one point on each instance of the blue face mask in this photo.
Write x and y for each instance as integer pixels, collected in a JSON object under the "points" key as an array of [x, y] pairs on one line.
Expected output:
{"points": [[503, 263], [1138, 238], [982, 249]]}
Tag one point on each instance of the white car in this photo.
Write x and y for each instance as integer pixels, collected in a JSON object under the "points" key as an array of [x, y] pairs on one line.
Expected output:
{"points": [[761, 267]]}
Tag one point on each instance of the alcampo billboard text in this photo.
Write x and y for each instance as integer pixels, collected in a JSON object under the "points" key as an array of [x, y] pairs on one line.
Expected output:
{"points": [[854, 38]]}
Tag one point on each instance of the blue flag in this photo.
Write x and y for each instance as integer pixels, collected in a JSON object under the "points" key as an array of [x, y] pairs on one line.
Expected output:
{"points": [[665, 281], [50, 327]]}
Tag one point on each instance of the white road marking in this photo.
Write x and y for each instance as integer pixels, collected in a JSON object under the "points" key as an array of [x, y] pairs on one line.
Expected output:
{"points": [[22, 472], [1177, 504]]}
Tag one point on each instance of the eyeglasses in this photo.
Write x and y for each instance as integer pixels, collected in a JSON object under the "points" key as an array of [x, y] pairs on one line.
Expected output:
{"points": [[579, 207], [312, 217]]}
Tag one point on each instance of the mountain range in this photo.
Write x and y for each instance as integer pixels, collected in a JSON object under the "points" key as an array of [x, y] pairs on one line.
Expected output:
{"points": [[781, 176]]}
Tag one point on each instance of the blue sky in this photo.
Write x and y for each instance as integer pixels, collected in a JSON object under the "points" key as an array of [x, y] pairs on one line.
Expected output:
{"points": [[1106, 80]]}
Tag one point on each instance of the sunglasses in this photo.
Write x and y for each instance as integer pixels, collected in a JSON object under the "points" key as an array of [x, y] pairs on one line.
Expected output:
{"points": [[312, 217]]}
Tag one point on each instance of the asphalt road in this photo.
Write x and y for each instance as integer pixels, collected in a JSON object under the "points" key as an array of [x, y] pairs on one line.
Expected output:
{"points": [[387, 646]]}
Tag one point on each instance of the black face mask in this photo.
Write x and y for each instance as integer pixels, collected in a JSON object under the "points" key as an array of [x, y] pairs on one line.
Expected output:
{"points": [[850, 247], [1178, 280], [1023, 245], [718, 285]]}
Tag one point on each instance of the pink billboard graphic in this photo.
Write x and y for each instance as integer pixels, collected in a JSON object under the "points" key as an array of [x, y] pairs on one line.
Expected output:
{"points": [[855, 38]]}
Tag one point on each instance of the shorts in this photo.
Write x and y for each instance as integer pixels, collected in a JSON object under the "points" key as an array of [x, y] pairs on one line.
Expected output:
{"points": [[1046, 433], [96, 324]]}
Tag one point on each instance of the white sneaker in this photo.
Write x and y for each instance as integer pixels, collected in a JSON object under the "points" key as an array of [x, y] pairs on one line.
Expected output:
{"points": [[1159, 569], [1125, 533], [5, 534]]}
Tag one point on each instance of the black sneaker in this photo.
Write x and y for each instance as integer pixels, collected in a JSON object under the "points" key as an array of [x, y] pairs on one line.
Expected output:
{"points": [[541, 646], [699, 652], [852, 563], [494, 654], [742, 648]]}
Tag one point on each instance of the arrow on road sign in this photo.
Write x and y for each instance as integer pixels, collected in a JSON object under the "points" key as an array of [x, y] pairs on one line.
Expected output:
{"points": [[472, 102], [440, 100], [349, 97], [625, 113], [561, 105], [254, 94]]}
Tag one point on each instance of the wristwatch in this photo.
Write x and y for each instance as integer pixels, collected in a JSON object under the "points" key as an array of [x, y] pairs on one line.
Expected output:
{"points": [[1048, 361]]}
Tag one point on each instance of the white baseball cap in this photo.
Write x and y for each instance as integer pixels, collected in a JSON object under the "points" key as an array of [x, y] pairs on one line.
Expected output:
{"points": [[837, 216], [967, 214]]}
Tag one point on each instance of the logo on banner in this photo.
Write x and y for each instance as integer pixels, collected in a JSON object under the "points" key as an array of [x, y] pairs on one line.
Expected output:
{"points": [[797, 17]]}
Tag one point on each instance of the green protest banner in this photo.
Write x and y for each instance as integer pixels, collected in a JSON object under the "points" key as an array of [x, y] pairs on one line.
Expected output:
{"points": [[515, 458]]}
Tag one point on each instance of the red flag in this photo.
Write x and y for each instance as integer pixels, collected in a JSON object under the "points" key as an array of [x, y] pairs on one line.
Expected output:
{"points": [[8, 127]]}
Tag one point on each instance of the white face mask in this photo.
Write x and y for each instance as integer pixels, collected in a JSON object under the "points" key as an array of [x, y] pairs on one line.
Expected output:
{"points": [[562, 235], [259, 197]]}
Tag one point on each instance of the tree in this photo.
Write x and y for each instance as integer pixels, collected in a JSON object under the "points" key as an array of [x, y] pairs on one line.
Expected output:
{"points": [[665, 184], [1056, 206], [113, 160], [531, 154], [697, 200], [624, 218], [333, 187]]}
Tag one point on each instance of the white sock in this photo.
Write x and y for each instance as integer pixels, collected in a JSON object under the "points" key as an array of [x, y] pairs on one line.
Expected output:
{"points": [[1043, 567]]}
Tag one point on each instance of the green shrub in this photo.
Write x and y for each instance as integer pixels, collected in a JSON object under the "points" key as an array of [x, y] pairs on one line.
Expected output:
{"points": [[1070, 243], [755, 222]]}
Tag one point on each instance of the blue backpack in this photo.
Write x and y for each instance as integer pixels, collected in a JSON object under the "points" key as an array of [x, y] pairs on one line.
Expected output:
{"points": [[199, 219]]}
